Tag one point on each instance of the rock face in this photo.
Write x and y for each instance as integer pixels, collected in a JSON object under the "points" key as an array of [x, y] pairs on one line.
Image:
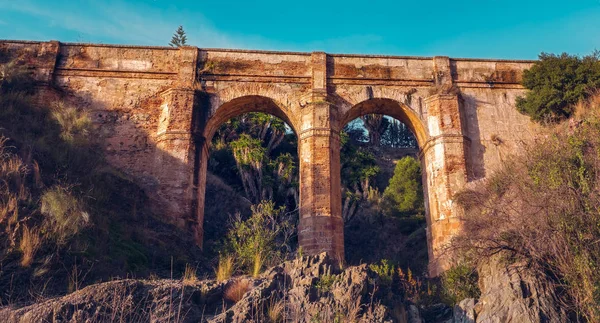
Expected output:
{"points": [[308, 289], [510, 294], [311, 289], [464, 311]]}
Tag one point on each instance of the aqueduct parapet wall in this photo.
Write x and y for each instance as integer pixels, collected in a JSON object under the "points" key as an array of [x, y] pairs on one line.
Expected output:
{"points": [[156, 109]]}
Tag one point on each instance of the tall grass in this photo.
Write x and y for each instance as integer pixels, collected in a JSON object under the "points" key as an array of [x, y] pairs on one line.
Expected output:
{"points": [[189, 276], [64, 213], [29, 245], [225, 268], [257, 265]]}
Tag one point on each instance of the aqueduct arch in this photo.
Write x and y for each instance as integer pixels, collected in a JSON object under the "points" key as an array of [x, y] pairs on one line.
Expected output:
{"points": [[157, 107], [206, 124]]}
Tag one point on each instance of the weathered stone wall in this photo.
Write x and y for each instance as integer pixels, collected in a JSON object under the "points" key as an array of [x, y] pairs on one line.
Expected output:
{"points": [[156, 109]]}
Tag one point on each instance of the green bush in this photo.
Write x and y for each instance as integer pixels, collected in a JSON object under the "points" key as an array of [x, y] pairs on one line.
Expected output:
{"points": [[460, 282], [261, 240], [385, 270], [556, 84], [326, 282], [404, 194]]}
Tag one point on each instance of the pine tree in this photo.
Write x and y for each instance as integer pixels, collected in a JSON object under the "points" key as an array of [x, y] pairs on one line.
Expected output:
{"points": [[404, 194], [179, 38]]}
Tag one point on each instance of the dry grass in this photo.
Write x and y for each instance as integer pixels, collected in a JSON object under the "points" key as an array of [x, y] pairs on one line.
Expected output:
{"points": [[75, 125], [29, 244], [236, 290], [64, 214], [257, 265], [275, 310], [225, 268], [541, 209], [189, 276], [12, 186]]}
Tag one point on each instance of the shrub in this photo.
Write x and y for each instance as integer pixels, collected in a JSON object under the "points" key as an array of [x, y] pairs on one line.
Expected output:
{"points": [[556, 83], [64, 213], [541, 209], [460, 282], [385, 270], [326, 282], [262, 239], [404, 194]]}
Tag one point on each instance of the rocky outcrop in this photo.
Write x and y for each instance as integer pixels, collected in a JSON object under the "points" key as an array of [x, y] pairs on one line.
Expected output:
{"points": [[311, 289], [464, 311], [512, 294], [308, 289]]}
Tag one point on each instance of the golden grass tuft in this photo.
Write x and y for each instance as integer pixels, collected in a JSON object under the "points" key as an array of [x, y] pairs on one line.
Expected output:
{"points": [[64, 214], [275, 310], [257, 265], [189, 276], [29, 244], [225, 268]]}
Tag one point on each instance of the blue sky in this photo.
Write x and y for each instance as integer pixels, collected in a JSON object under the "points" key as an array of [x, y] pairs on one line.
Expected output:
{"points": [[484, 28]]}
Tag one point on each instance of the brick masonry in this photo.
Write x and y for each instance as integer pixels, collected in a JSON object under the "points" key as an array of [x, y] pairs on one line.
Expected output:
{"points": [[156, 109]]}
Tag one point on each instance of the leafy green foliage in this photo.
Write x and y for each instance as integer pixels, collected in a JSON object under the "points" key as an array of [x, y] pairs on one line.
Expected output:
{"points": [[261, 240], [404, 194], [385, 270], [380, 130], [398, 135], [358, 164], [256, 153], [326, 282], [556, 84], [460, 282]]}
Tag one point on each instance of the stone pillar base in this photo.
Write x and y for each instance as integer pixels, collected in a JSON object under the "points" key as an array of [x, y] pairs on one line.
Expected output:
{"points": [[322, 234]]}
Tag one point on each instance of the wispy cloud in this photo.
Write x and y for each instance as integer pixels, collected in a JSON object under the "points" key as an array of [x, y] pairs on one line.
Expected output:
{"points": [[118, 21]]}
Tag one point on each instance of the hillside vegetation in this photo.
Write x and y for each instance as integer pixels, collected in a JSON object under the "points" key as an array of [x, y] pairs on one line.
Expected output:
{"points": [[540, 213], [68, 219]]}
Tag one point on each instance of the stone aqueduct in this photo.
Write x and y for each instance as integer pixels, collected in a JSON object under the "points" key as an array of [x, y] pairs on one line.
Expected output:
{"points": [[157, 108]]}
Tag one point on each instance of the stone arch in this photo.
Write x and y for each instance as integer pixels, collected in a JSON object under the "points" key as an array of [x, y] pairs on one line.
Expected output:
{"points": [[207, 127], [391, 108], [245, 104], [409, 117], [442, 150]]}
